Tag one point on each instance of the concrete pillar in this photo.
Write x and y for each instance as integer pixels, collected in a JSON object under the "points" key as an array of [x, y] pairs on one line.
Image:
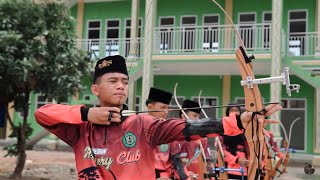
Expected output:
{"points": [[79, 33], [317, 117], [79, 22], [275, 88], [134, 29], [228, 31], [133, 51], [147, 77], [317, 18]]}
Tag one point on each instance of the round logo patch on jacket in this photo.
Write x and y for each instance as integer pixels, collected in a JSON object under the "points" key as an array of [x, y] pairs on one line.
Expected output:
{"points": [[164, 147], [129, 140]]}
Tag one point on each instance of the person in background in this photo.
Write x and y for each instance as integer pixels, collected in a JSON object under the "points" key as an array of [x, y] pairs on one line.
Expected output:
{"points": [[235, 148], [159, 100], [188, 149]]}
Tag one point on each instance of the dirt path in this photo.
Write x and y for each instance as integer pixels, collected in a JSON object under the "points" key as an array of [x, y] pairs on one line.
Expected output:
{"points": [[41, 165]]}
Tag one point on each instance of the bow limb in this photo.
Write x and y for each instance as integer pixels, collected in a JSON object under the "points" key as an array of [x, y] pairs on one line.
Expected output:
{"points": [[221, 160], [286, 144], [177, 102], [284, 160], [200, 105]]}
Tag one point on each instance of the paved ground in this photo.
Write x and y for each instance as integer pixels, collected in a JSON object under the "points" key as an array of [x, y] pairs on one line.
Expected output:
{"points": [[53, 165], [297, 173]]}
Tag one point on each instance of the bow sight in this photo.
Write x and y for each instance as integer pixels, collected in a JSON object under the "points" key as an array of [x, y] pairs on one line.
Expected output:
{"points": [[284, 78]]}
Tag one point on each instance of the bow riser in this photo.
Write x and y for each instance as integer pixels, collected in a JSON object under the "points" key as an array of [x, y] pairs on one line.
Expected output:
{"points": [[253, 103], [267, 159]]}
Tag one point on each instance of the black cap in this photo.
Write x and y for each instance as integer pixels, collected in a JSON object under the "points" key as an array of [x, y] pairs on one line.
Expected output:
{"points": [[110, 64], [191, 104], [158, 95]]}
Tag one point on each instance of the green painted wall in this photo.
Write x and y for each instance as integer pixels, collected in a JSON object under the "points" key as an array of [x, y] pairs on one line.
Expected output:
{"points": [[74, 11], [187, 8], [256, 6]]}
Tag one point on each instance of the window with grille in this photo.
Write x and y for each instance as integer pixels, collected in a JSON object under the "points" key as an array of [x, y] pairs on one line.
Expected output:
{"points": [[297, 29], [93, 44], [166, 34], [188, 34], [211, 33], [128, 35], [267, 19], [94, 29], [247, 30], [112, 34]]}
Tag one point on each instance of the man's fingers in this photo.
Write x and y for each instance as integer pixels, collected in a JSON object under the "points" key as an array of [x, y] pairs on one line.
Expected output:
{"points": [[270, 106], [115, 120], [270, 121], [273, 109], [260, 118], [112, 109], [114, 117]]}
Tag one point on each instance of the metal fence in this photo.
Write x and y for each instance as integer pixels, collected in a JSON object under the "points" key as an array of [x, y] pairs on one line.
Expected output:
{"points": [[211, 39], [108, 47], [303, 44], [208, 39]]}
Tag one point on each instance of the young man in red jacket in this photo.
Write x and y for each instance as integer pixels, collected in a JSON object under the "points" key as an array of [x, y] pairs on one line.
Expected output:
{"points": [[159, 100], [109, 146]]}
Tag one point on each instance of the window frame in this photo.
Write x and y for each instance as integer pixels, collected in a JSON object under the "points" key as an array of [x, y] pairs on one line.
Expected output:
{"points": [[88, 28]]}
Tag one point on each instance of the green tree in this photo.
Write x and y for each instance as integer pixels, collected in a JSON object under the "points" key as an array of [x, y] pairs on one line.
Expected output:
{"points": [[37, 54]]}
